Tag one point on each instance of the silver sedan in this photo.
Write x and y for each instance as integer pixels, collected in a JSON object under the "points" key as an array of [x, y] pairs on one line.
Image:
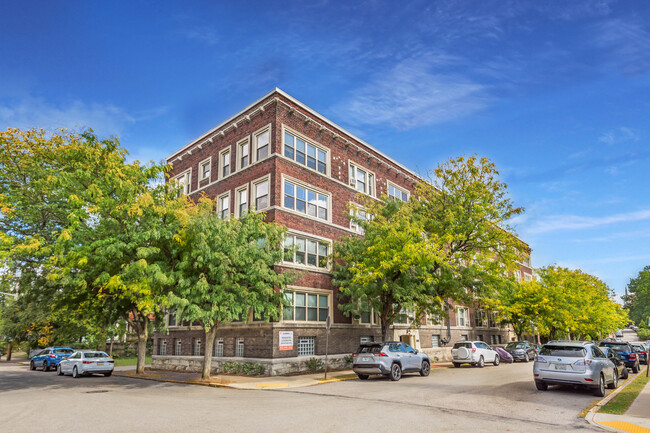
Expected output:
{"points": [[84, 362]]}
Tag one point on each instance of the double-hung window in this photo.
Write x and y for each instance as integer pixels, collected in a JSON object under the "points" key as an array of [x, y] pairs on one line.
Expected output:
{"points": [[305, 200], [218, 347], [305, 251], [224, 205], [462, 317], [261, 194], [397, 193], [184, 181], [225, 163], [361, 179], [242, 201], [262, 140], [243, 148], [305, 153], [163, 347], [239, 348], [359, 212], [306, 307], [197, 347], [204, 169], [178, 348]]}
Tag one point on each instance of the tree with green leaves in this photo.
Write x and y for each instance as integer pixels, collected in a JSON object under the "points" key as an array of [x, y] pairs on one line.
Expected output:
{"points": [[638, 297], [226, 271]]}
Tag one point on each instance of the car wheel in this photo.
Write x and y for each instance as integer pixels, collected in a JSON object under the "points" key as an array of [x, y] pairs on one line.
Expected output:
{"points": [[363, 376], [395, 372], [46, 367], [481, 362], [108, 374], [426, 369], [32, 366], [75, 373], [497, 361], [527, 358], [541, 386], [600, 391], [456, 364], [626, 373], [614, 383], [59, 371], [635, 368]]}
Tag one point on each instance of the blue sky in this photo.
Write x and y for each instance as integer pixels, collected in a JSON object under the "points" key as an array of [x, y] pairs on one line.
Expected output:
{"points": [[556, 93]]}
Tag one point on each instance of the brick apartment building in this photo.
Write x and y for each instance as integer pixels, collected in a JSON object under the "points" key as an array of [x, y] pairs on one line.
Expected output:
{"points": [[302, 170]]}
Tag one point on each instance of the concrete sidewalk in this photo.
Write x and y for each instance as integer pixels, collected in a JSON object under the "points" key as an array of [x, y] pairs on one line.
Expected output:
{"points": [[245, 382], [635, 420]]}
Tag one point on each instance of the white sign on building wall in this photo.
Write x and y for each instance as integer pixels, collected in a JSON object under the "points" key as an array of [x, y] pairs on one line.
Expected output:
{"points": [[286, 340]]}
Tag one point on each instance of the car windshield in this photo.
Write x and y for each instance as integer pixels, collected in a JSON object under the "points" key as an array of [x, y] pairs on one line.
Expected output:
{"points": [[569, 351], [63, 351], [515, 346], [95, 355], [462, 344], [617, 346], [374, 348]]}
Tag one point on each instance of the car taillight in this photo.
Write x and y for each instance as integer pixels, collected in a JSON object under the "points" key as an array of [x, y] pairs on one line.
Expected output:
{"points": [[52, 356], [582, 362], [541, 360], [379, 354], [473, 349], [88, 362], [632, 356], [355, 354], [111, 362]]}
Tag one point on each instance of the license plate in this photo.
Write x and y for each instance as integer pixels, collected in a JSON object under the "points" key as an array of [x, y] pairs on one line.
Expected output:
{"points": [[100, 363], [560, 367], [365, 359]]}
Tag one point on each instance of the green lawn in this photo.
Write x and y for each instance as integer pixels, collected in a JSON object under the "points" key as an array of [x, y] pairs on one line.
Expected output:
{"points": [[619, 404], [121, 362]]}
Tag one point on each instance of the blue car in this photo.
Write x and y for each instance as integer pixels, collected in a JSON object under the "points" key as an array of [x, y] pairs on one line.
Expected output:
{"points": [[50, 357], [626, 352]]}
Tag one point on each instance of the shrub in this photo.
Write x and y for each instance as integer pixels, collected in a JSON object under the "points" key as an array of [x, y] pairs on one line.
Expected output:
{"points": [[644, 334], [247, 368], [314, 364], [347, 360]]}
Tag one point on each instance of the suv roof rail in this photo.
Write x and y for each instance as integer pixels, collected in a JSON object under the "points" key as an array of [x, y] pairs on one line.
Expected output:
{"points": [[582, 342]]}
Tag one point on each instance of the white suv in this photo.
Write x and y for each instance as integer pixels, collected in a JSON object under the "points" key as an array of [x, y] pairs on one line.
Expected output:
{"points": [[476, 353]]}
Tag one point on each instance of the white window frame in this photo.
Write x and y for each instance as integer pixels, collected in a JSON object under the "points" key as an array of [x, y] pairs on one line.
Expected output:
{"points": [[253, 195], [373, 316], [239, 348], [435, 340], [217, 350], [465, 317], [308, 291], [308, 142], [528, 277], [185, 180], [354, 168], [163, 347], [238, 191], [306, 346], [240, 153], [197, 347], [206, 162], [400, 188], [222, 166], [220, 207], [354, 210], [254, 145], [307, 239], [307, 187], [178, 348]]}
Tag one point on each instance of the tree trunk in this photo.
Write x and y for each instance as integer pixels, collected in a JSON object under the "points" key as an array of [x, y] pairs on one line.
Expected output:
{"points": [[143, 333], [110, 348], [102, 340], [210, 335], [9, 347]]}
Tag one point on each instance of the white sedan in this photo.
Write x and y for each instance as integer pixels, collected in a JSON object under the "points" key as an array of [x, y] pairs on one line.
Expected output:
{"points": [[86, 362]]}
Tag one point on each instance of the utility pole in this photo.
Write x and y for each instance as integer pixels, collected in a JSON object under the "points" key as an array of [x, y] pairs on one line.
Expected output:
{"points": [[328, 324]]}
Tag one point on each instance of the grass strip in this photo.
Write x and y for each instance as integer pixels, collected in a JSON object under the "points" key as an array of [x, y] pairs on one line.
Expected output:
{"points": [[122, 362], [624, 399]]}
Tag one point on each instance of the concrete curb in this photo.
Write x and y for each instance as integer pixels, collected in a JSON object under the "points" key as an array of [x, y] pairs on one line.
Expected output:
{"points": [[596, 407]]}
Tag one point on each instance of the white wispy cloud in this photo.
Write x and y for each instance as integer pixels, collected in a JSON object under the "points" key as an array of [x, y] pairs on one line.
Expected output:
{"points": [[203, 34], [575, 222], [627, 44], [619, 135], [414, 93]]}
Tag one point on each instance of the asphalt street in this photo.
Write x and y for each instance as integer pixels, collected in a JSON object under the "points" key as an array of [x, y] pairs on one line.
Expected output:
{"points": [[493, 399]]}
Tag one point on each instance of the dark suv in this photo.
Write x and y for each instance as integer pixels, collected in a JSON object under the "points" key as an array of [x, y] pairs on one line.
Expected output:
{"points": [[626, 352]]}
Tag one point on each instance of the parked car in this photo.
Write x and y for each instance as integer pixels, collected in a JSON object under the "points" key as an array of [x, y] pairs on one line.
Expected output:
{"points": [[619, 334], [521, 350], [49, 357], [392, 359], [574, 363], [476, 353], [537, 347], [626, 352], [504, 356], [619, 364], [641, 353], [86, 362]]}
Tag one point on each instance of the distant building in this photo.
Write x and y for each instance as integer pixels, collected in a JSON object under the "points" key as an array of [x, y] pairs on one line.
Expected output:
{"points": [[303, 170]]}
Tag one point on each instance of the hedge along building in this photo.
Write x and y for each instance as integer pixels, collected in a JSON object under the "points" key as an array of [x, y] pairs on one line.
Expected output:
{"points": [[303, 170]]}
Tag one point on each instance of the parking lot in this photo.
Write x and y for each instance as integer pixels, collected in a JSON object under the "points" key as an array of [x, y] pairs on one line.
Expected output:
{"points": [[500, 398]]}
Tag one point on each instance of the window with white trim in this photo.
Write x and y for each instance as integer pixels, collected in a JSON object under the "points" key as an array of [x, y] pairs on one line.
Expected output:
{"points": [[242, 201], [178, 348], [243, 153], [361, 179], [359, 212], [482, 318], [184, 180], [162, 350], [435, 340], [218, 347], [223, 203], [261, 194], [262, 144], [462, 317], [464, 337], [224, 161], [397, 193], [306, 346], [305, 251], [305, 153], [306, 306], [197, 347], [239, 348], [204, 168], [492, 339], [369, 317], [305, 200], [368, 339], [528, 277]]}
